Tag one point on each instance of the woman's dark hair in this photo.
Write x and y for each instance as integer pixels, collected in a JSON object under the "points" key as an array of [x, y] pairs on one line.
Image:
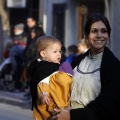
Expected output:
{"points": [[94, 18], [38, 31]]}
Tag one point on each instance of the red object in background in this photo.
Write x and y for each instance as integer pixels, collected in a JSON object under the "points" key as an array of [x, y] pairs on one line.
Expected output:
{"points": [[17, 42], [6, 53]]}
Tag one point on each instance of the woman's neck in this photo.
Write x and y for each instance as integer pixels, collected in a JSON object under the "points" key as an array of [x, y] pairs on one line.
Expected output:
{"points": [[94, 52]]}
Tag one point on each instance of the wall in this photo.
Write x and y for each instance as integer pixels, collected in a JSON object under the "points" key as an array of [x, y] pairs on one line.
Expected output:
{"points": [[115, 25], [70, 19], [71, 25]]}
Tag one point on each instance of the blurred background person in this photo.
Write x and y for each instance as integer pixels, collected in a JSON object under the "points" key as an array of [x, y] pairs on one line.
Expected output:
{"points": [[31, 54], [33, 32], [31, 23], [31, 51], [83, 46], [72, 53], [17, 54], [20, 36]]}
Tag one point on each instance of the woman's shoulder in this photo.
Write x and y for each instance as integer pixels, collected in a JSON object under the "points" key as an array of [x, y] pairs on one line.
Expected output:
{"points": [[109, 57], [109, 61]]}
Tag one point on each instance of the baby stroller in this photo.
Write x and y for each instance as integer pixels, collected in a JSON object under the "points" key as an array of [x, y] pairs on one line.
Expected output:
{"points": [[6, 77]]}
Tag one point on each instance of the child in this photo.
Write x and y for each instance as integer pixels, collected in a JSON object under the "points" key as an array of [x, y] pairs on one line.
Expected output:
{"points": [[72, 53], [50, 82], [83, 46]]}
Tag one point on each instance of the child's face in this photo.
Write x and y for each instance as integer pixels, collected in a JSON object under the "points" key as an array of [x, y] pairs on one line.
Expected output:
{"points": [[53, 53]]}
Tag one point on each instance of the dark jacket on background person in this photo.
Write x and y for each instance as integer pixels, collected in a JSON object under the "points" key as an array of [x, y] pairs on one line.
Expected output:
{"points": [[107, 105], [30, 51]]}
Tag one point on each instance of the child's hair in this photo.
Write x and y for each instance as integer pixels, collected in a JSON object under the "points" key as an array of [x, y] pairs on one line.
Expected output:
{"points": [[43, 42], [84, 42]]}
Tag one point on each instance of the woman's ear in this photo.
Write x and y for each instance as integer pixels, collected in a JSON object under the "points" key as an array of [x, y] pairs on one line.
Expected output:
{"points": [[42, 54]]}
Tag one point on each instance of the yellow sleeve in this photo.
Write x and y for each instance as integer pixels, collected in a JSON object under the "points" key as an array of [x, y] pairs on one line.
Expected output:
{"points": [[42, 88], [60, 88]]}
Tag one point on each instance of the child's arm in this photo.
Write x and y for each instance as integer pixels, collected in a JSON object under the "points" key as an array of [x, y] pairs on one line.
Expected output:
{"points": [[43, 92]]}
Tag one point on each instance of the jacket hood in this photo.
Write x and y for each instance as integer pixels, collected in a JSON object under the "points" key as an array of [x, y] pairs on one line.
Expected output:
{"points": [[37, 65], [32, 67]]}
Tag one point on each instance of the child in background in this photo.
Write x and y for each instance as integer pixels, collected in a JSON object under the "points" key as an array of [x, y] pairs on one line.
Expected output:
{"points": [[83, 46], [50, 82], [72, 53]]}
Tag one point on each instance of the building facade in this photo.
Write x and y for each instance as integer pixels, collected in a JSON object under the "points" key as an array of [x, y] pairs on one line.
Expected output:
{"points": [[114, 7], [65, 19]]}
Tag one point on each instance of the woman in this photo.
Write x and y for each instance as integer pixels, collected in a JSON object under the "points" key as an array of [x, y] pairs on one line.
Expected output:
{"points": [[96, 86], [36, 32], [30, 53]]}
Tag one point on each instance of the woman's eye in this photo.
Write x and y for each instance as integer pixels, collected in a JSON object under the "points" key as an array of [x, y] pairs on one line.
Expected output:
{"points": [[94, 31], [104, 30]]}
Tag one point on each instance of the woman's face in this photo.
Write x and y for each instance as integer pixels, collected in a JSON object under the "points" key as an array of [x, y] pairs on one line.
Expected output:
{"points": [[98, 37]]}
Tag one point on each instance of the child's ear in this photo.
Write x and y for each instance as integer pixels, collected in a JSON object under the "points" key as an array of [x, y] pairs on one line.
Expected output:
{"points": [[42, 54]]}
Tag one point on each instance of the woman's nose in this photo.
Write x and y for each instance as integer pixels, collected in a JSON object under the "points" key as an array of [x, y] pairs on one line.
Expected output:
{"points": [[99, 34]]}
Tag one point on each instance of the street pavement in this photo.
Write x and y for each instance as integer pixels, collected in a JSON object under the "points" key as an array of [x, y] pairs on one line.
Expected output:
{"points": [[15, 98]]}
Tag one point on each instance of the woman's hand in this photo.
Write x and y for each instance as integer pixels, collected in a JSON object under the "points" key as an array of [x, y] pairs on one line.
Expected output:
{"points": [[62, 115]]}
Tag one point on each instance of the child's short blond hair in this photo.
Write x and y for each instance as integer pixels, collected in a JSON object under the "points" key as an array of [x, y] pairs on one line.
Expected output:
{"points": [[43, 42]]}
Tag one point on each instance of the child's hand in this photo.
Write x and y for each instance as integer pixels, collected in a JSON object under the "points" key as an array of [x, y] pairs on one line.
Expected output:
{"points": [[45, 99]]}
